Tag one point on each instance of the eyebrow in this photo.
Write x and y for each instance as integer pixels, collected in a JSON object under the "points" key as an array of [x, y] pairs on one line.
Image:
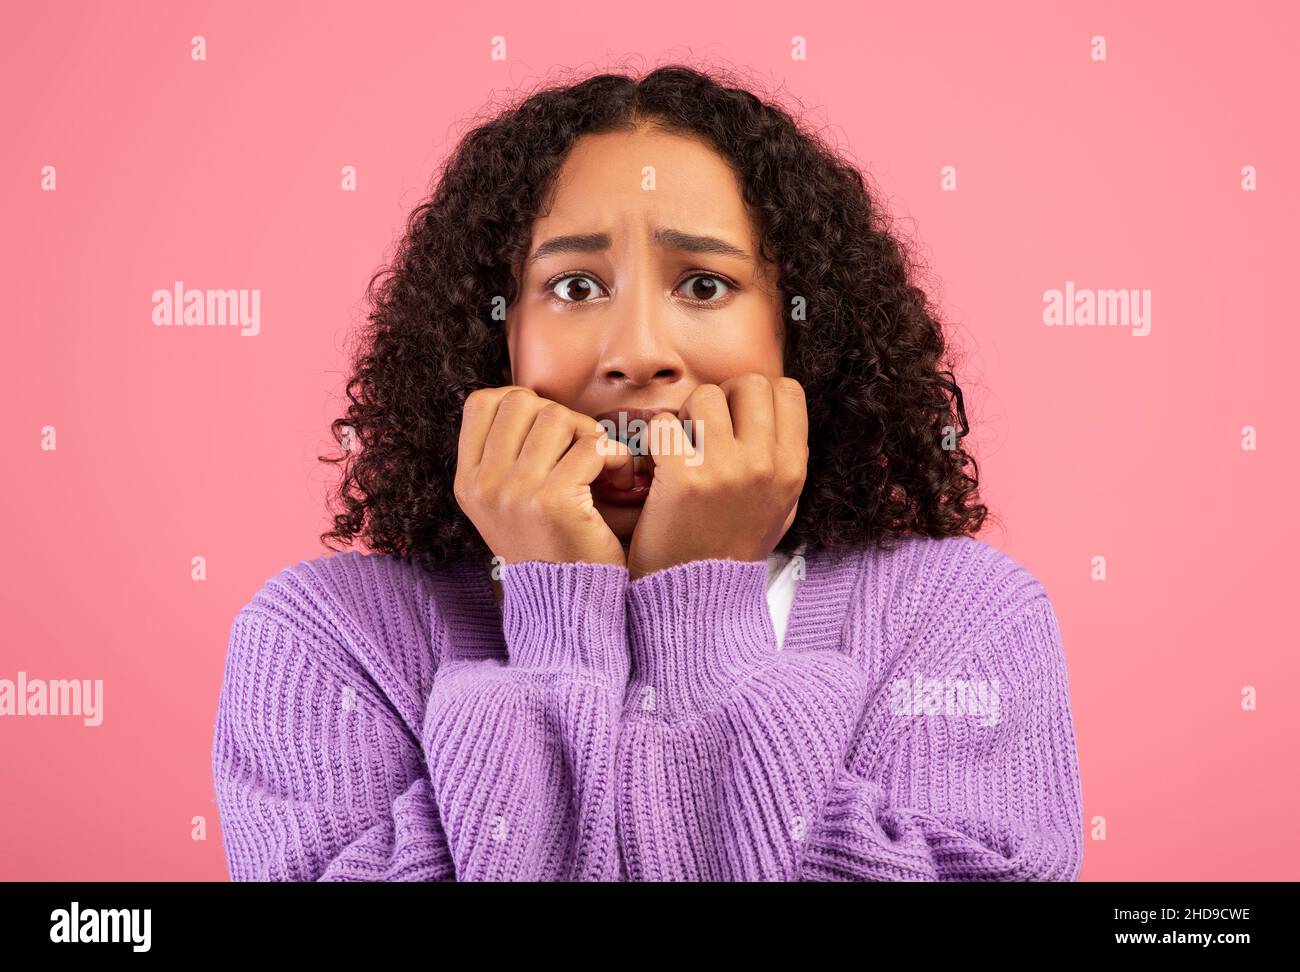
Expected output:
{"points": [[670, 238]]}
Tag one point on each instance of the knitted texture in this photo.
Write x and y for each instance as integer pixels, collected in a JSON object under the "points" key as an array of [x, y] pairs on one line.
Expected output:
{"points": [[383, 720]]}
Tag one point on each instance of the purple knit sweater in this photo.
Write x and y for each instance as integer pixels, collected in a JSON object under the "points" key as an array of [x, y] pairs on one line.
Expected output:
{"points": [[385, 721]]}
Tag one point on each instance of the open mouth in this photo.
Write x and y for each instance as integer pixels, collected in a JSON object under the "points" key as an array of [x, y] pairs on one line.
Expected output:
{"points": [[631, 426], [643, 471]]}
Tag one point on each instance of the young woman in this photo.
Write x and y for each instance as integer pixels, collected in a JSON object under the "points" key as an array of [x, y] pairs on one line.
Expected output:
{"points": [[750, 638]]}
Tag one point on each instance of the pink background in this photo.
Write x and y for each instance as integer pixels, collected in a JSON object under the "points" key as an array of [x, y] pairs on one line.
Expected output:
{"points": [[177, 442]]}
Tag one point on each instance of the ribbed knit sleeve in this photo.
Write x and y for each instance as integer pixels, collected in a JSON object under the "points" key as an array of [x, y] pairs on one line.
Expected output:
{"points": [[737, 761], [520, 750], [317, 779]]}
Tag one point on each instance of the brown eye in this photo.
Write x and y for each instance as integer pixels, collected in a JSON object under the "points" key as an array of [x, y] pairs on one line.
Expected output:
{"points": [[705, 288], [575, 288]]}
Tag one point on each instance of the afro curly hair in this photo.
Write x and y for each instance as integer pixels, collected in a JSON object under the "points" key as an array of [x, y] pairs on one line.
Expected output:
{"points": [[885, 415]]}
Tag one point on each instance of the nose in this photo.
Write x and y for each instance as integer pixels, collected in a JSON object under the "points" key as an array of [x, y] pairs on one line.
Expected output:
{"points": [[641, 345]]}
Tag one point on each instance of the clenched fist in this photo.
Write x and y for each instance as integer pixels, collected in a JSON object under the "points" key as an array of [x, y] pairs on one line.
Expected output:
{"points": [[735, 497], [524, 470]]}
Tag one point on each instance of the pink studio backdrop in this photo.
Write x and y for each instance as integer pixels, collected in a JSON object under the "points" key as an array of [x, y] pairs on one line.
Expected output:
{"points": [[173, 443]]}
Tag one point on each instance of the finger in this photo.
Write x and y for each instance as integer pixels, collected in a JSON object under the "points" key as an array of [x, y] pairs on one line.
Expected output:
{"points": [[514, 418], [591, 455], [708, 403], [478, 414], [749, 397], [620, 468], [706, 411], [667, 444], [553, 431], [791, 409]]}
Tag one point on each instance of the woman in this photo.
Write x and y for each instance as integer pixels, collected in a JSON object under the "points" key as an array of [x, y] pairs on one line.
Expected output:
{"points": [[751, 637]]}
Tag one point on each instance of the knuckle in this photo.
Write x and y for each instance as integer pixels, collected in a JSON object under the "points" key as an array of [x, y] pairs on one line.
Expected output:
{"points": [[509, 499], [487, 494], [460, 491], [760, 468], [790, 386], [552, 412], [707, 391], [467, 490], [515, 398]]}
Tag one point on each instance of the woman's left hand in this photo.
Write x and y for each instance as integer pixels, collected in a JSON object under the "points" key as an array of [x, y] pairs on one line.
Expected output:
{"points": [[734, 494]]}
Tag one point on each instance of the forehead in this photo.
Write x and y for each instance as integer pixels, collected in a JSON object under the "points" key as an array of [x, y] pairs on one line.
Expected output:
{"points": [[606, 179]]}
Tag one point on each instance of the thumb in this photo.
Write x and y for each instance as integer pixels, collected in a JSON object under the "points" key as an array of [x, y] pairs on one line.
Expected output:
{"points": [[618, 470]]}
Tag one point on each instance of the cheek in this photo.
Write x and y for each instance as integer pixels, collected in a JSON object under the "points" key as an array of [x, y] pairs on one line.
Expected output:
{"points": [[553, 364], [749, 342]]}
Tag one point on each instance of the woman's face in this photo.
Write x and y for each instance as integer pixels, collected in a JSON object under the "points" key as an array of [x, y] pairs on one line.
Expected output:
{"points": [[642, 281]]}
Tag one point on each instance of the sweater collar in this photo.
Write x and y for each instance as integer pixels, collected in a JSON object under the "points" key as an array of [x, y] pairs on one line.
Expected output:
{"points": [[821, 601]]}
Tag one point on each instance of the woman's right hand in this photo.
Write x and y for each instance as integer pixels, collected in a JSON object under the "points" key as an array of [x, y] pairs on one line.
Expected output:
{"points": [[524, 471]]}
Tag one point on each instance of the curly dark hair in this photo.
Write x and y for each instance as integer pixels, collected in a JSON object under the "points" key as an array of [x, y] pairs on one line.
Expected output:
{"points": [[885, 422]]}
